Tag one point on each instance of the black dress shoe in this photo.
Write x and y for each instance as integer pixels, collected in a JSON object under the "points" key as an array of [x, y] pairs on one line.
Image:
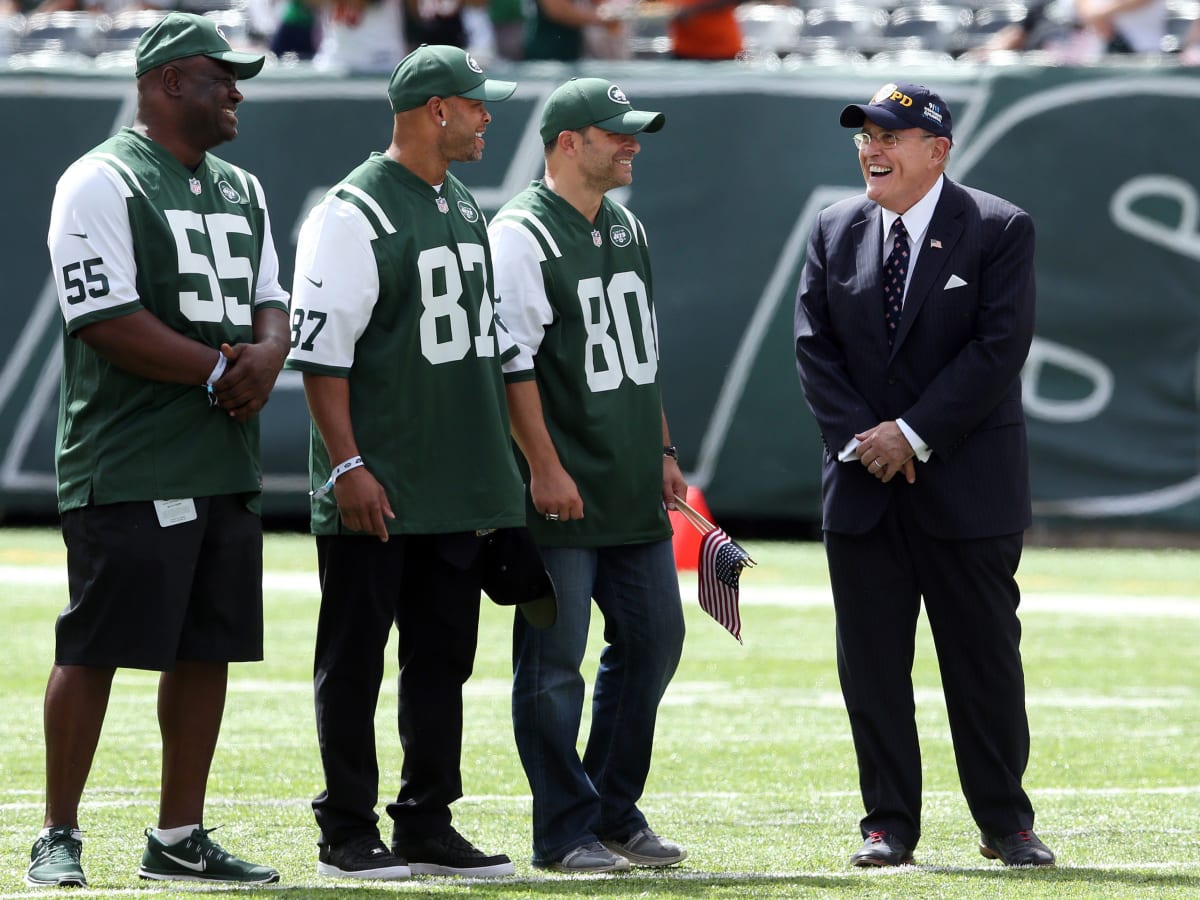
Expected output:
{"points": [[1020, 849], [881, 848]]}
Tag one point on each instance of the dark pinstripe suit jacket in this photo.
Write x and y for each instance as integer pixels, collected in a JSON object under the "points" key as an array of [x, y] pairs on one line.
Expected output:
{"points": [[952, 374]]}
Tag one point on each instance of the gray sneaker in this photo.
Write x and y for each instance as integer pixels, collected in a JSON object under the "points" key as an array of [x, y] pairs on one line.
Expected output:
{"points": [[588, 859], [645, 848], [54, 860]]}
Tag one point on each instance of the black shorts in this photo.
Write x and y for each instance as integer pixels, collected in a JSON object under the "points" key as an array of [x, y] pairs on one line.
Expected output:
{"points": [[146, 597]]}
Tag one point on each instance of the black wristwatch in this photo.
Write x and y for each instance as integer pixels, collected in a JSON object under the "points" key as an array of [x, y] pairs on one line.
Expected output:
{"points": [[669, 450]]}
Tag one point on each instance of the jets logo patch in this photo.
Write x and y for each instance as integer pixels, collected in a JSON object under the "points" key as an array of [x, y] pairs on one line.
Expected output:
{"points": [[616, 95], [228, 192], [472, 65], [620, 236], [470, 213]]}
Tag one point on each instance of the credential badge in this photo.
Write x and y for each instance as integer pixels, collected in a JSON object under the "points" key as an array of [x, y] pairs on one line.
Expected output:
{"points": [[442, 205], [470, 213], [228, 192], [620, 236], [596, 238]]}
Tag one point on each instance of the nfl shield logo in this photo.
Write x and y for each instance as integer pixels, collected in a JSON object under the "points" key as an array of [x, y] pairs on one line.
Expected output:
{"points": [[194, 184], [596, 239], [442, 205]]}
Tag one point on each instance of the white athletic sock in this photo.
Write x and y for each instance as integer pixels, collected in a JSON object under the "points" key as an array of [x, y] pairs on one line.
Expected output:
{"points": [[75, 833], [175, 835]]}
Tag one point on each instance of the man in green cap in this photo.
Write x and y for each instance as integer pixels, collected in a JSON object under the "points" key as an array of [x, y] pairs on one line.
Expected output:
{"points": [[411, 464], [175, 328], [573, 287]]}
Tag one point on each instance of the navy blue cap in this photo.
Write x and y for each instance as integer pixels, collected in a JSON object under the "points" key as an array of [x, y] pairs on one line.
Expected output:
{"points": [[900, 106]]}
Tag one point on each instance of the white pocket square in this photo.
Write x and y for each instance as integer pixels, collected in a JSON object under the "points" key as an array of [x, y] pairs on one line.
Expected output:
{"points": [[954, 282]]}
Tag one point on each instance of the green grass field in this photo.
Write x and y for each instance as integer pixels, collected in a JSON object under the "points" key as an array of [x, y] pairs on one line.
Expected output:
{"points": [[754, 769]]}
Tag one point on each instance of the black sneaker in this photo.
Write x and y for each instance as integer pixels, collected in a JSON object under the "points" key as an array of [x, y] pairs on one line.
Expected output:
{"points": [[451, 854], [1020, 849], [364, 856]]}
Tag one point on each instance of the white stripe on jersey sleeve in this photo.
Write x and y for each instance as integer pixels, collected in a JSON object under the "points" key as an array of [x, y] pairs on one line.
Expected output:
{"points": [[335, 286], [521, 229], [117, 163], [90, 242], [371, 204], [268, 288], [524, 216], [245, 184], [251, 181], [520, 293]]}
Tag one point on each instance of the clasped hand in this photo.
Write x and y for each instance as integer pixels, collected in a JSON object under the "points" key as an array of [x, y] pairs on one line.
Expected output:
{"points": [[885, 452]]}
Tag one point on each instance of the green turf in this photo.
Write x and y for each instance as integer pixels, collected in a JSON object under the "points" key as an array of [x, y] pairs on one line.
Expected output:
{"points": [[754, 770]]}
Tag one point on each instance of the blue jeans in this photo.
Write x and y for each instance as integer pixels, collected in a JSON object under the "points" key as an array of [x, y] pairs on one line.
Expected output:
{"points": [[578, 801]]}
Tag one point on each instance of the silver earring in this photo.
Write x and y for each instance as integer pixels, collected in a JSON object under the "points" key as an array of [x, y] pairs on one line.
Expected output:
{"points": [[443, 123]]}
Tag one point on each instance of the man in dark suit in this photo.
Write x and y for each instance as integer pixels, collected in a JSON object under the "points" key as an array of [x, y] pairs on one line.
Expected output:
{"points": [[914, 316]]}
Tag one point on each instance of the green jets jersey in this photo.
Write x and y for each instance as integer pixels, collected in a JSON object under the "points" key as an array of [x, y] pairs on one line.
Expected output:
{"points": [[392, 292], [576, 296], [132, 229]]}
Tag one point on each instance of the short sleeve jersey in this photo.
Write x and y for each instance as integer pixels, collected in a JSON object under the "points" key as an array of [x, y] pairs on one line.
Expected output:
{"points": [[132, 229], [392, 291], [576, 296]]}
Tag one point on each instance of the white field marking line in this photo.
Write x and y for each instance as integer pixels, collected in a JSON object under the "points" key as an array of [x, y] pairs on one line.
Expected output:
{"points": [[717, 694], [656, 799], [750, 595], [637, 878]]}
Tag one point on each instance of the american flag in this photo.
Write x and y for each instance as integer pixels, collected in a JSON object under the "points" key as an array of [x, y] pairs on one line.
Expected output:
{"points": [[720, 567]]}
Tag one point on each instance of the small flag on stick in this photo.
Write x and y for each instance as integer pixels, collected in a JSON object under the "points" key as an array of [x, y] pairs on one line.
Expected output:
{"points": [[720, 568]]}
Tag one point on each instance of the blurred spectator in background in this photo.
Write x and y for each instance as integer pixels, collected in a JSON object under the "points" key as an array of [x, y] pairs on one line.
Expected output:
{"points": [[455, 23], [360, 36], [1076, 32], [508, 25], [1040, 28], [1189, 54], [705, 29], [1124, 26], [16, 7], [555, 29], [434, 22], [296, 30], [108, 7]]}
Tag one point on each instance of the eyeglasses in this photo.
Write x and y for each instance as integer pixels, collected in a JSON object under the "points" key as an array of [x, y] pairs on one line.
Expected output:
{"points": [[887, 139]]}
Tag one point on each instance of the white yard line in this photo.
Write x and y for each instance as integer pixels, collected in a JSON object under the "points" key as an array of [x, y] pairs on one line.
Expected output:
{"points": [[751, 594]]}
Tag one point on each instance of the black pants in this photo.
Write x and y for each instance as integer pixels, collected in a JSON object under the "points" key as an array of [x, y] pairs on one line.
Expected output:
{"points": [[366, 585], [970, 596]]}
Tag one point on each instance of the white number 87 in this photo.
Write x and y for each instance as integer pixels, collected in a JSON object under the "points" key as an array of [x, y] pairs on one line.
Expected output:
{"points": [[445, 328]]}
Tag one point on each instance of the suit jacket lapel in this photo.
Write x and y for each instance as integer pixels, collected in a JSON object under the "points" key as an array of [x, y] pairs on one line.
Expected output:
{"points": [[945, 228]]}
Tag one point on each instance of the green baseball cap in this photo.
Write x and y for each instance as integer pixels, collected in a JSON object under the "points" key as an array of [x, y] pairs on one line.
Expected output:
{"points": [[594, 101], [179, 35], [439, 70]]}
